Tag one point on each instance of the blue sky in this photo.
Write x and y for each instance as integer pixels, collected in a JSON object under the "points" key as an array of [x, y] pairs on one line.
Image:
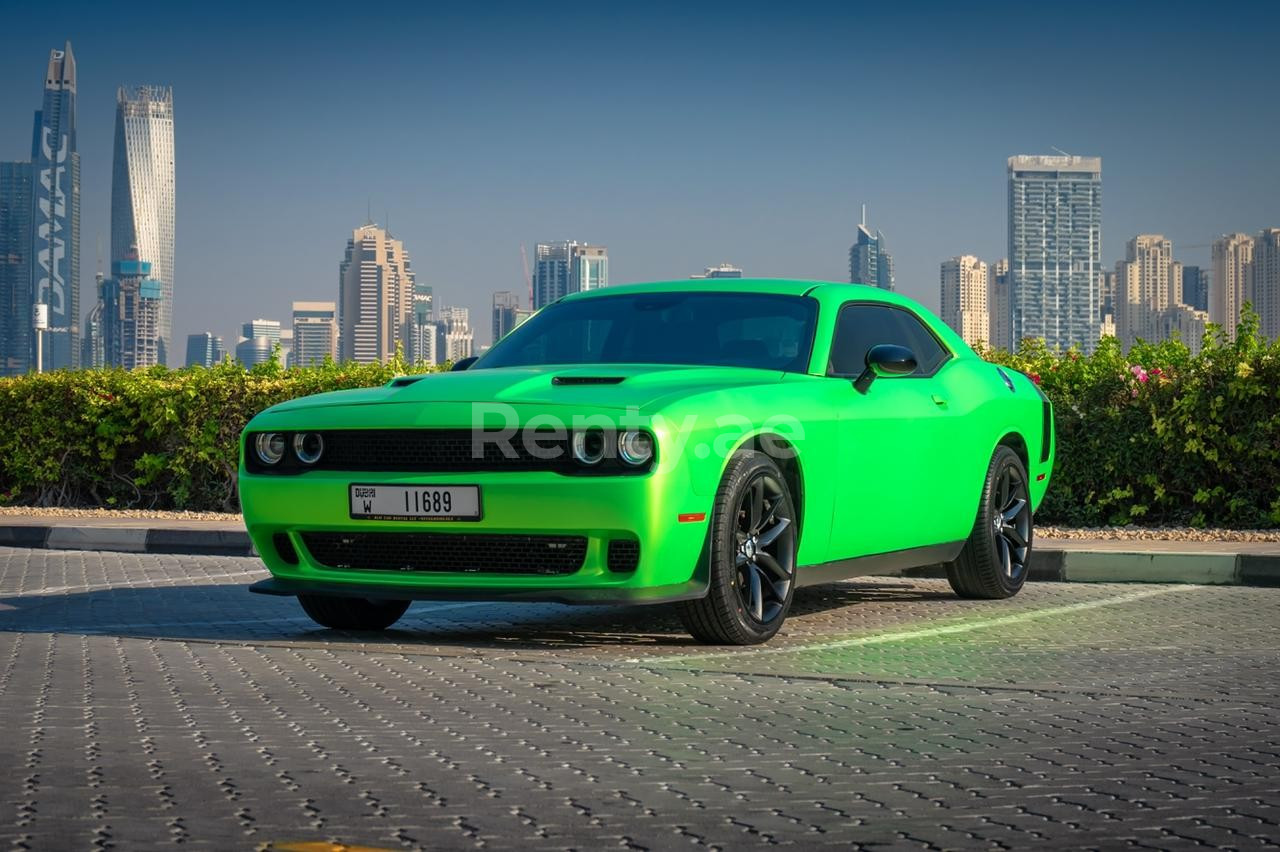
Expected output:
{"points": [[679, 135]]}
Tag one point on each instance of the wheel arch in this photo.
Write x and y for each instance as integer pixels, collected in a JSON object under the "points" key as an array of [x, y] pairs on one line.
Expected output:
{"points": [[1014, 441], [786, 456]]}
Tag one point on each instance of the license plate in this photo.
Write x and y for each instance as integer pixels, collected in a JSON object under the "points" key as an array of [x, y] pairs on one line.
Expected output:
{"points": [[415, 502]]}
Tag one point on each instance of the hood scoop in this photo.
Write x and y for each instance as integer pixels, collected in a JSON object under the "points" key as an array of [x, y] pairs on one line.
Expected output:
{"points": [[405, 381], [587, 380]]}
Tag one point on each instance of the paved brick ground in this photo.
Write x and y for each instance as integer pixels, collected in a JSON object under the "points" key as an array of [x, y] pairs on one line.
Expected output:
{"points": [[150, 701]]}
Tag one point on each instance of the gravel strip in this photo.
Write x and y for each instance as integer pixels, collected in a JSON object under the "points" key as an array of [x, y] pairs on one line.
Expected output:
{"points": [[1046, 532], [43, 512], [1156, 534]]}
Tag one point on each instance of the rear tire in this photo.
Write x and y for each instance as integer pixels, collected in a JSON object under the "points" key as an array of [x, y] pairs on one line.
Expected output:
{"points": [[752, 548], [993, 563], [352, 613]]}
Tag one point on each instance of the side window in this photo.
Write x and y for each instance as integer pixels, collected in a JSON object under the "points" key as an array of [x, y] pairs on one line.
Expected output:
{"points": [[863, 325]]}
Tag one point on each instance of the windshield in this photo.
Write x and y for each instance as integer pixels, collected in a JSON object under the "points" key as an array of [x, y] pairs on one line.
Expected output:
{"points": [[761, 330]]}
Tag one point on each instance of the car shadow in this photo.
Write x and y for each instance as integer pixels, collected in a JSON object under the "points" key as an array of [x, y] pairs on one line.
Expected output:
{"points": [[229, 613]]}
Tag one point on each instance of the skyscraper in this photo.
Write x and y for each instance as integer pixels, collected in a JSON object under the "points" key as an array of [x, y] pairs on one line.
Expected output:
{"points": [[1231, 287], [258, 339], [55, 255], [1145, 289], [1265, 281], [375, 296], [999, 307], [964, 298], [142, 190], [315, 332], [455, 340], [129, 319], [1055, 245], [205, 349], [16, 238], [869, 261], [1195, 287], [588, 268], [422, 331], [567, 267], [505, 307]]}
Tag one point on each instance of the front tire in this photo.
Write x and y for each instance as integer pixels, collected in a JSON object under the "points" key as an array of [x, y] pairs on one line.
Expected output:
{"points": [[352, 613], [752, 548], [993, 563]]}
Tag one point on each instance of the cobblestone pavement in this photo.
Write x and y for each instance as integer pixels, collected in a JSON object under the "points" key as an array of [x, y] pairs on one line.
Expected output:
{"points": [[151, 701]]}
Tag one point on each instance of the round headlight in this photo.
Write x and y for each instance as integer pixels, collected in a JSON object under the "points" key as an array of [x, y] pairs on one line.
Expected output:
{"points": [[308, 446], [635, 448], [270, 447], [588, 446]]}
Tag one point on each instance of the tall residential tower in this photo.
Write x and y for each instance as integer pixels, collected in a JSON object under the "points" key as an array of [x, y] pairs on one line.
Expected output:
{"points": [[16, 207], [964, 294], [869, 262], [1231, 287], [142, 191], [1055, 247], [375, 296], [55, 255]]}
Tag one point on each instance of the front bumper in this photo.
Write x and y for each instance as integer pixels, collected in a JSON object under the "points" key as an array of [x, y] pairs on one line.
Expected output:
{"points": [[645, 509]]}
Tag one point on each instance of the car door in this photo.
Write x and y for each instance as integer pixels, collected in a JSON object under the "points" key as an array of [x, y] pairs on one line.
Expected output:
{"points": [[894, 438]]}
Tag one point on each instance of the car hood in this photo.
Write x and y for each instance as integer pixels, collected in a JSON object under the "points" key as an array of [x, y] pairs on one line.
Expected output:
{"points": [[643, 386]]}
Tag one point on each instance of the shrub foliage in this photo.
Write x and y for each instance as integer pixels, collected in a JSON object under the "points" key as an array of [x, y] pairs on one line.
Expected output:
{"points": [[1154, 436]]}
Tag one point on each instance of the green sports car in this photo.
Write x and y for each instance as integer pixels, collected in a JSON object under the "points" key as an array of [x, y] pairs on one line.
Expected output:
{"points": [[709, 443]]}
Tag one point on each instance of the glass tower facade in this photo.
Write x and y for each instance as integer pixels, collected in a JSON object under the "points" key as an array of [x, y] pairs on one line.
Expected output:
{"points": [[205, 349], [55, 255], [16, 208], [869, 262], [142, 190], [1055, 247]]}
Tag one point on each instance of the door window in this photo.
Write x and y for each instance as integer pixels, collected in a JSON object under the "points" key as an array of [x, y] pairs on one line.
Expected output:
{"points": [[862, 325]]}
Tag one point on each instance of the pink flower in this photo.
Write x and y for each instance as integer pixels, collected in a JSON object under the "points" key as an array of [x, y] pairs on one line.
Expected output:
{"points": [[1035, 377], [1134, 393], [1157, 372], [1139, 373]]}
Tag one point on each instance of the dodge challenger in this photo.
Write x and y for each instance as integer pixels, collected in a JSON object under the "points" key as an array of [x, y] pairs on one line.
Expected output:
{"points": [[712, 444]]}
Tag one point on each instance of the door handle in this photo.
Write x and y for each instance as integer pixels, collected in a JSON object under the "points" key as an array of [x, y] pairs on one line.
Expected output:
{"points": [[939, 400]]}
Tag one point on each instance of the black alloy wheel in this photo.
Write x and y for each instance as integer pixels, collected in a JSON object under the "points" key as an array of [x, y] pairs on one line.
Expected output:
{"points": [[752, 551], [995, 559]]}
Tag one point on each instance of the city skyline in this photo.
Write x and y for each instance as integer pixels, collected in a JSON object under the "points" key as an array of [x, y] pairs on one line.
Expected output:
{"points": [[469, 192]]}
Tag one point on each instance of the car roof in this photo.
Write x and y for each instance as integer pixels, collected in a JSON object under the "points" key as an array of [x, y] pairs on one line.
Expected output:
{"points": [[780, 286]]}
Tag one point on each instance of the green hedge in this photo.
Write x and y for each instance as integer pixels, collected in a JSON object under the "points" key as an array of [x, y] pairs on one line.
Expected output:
{"points": [[153, 438], [1161, 436], [1157, 436]]}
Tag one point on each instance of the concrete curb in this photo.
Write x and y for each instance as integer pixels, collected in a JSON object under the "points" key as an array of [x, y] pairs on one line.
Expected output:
{"points": [[1051, 561], [180, 541]]}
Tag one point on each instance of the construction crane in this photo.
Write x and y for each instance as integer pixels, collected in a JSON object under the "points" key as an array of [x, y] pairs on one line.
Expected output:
{"points": [[528, 279]]}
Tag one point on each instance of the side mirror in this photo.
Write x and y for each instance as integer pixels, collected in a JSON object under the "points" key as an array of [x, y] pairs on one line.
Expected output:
{"points": [[464, 363], [885, 359]]}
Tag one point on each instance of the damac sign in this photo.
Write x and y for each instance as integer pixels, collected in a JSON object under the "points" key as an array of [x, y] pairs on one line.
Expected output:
{"points": [[52, 249]]}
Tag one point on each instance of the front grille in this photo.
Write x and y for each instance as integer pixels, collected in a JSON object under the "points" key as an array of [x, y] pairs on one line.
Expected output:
{"points": [[443, 450], [472, 553]]}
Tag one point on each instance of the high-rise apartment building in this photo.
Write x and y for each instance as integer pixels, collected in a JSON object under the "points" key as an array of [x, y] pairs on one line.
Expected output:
{"points": [[506, 305], [258, 339], [588, 268], [1195, 288], [1055, 246], [375, 296], [205, 349], [1231, 286], [129, 319], [1145, 289], [315, 332], [16, 239], [142, 190], [724, 270], [869, 261], [454, 338], [567, 267], [55, 253], [964, 298], [999, 306], [1264, 280]]}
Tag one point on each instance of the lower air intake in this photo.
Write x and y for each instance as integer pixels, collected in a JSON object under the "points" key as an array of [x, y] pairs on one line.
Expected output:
{"points": [[469, 553]]}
